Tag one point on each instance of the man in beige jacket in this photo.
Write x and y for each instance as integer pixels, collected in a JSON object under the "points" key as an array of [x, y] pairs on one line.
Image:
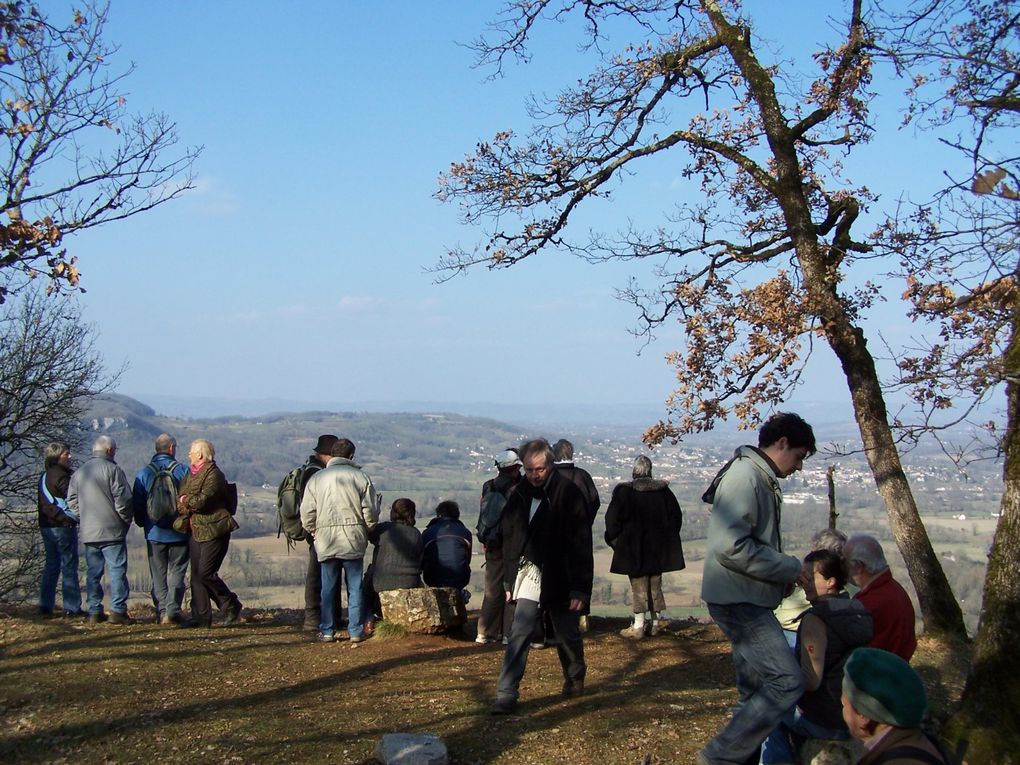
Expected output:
{"points": [[338, 509]]}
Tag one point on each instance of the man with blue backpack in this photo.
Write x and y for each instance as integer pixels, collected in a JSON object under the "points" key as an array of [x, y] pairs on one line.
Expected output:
{"points": [[154, 502]]}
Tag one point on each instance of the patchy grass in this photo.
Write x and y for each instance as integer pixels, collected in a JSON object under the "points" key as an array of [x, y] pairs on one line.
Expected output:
{"points": [[265, 692]]}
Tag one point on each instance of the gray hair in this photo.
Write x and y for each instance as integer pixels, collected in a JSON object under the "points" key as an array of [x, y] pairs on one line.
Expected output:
{"points": [[642, 467], [865, 550], [535, 447], [104, 445], [563, 450], [52, 452], [165, 443], [829, 539]]}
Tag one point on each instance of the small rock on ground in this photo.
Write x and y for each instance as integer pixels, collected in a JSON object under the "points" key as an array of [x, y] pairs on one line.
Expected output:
{"points": [[411, 749]]}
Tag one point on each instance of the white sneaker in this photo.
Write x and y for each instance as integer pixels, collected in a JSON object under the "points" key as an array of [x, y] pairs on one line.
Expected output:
{"points": [[482, 640], [632, 632]]}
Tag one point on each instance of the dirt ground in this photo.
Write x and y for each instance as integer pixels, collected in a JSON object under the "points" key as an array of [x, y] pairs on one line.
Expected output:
{"points": [[264, 692]]}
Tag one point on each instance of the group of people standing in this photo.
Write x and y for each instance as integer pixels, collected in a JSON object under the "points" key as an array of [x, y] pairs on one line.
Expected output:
{"points": [[811, 662], [96, 505]]}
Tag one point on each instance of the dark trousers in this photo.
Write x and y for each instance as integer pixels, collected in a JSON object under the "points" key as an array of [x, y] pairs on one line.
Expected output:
{"points": [[496, 614], [206, 585], [569, 646], [313, 590]]}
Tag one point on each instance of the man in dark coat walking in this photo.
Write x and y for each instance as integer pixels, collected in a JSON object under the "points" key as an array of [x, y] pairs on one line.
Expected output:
{"points": [[643, 528], [548, 562]]}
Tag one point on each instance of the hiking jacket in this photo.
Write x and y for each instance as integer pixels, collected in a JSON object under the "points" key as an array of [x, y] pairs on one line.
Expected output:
{"points": [[205, 502], [744, 560], [557, 539], [163, 534], [581, 478], [643, 528], [848, 626], [893, 613], [57, 479], [447, 553], [100, 494], [338, 509]]}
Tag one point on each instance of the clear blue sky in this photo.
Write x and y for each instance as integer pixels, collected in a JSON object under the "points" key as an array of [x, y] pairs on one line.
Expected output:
{"points": [[296, 269]]}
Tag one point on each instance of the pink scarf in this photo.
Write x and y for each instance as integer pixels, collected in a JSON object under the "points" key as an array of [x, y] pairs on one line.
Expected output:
{"points": [[196, 466]]}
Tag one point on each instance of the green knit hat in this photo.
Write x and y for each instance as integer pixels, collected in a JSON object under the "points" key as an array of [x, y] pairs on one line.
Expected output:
{"points": [[884, 688]]}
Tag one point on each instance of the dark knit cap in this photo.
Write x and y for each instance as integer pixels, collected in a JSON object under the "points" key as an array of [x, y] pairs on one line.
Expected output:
{"points": [[325, 444], [884, 688]]}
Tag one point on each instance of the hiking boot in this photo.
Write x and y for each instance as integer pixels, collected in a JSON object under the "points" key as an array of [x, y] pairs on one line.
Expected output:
{"points": [[503, 707], [632, 632], [118, 618], [79, 614], [326, 637], [44, 611], [233, 614], [174, 618], [359, 638], [572, 688], [97, 618], [191, 624]]}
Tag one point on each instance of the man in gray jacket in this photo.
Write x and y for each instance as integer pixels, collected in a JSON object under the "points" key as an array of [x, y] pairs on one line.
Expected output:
{"points": [[746, 576], [101, 496], [338, 509]]}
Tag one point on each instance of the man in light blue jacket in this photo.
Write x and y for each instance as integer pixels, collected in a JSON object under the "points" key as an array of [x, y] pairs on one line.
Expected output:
{"points": [[167, 549], [100, 494], [746, 576]]}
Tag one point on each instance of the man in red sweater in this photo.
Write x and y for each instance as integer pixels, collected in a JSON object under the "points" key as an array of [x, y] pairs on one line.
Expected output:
{"points": [[890, 606]]}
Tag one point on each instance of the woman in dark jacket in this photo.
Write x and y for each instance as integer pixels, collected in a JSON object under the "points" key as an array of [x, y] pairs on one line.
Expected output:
{"points": [[59, 529], [202, 501], [643, 528], [396, 562]]}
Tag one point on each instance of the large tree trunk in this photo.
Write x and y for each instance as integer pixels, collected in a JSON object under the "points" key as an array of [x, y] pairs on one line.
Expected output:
{"points": [[940, 610], [991, 698]]}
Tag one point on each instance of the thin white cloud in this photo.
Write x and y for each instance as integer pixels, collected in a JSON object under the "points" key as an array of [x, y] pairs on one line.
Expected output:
{"points": [[211, 199]]}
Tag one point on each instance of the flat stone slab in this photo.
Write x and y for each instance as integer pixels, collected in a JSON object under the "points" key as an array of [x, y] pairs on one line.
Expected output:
{"points": [[411, 749]]}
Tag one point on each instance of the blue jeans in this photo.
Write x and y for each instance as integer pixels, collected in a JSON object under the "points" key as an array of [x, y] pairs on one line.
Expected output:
{"points": [[769, 680], [61, 546], [98, 557], [353, 571]]}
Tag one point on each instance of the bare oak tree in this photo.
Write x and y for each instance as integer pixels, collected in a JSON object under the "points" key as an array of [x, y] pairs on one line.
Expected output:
{"points": [[963, 254], [49, 372], [755, 271], [71, 155]]}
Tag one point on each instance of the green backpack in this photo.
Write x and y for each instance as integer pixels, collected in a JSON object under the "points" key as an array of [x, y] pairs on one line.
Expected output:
{"points": [[288, 503]]}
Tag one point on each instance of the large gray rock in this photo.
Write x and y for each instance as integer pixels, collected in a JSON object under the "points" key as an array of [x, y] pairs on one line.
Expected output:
{"points": [[411, 749], [426, 610]]}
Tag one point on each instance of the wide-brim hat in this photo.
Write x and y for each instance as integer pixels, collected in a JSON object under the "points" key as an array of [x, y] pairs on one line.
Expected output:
{"points": [[325, 444]]}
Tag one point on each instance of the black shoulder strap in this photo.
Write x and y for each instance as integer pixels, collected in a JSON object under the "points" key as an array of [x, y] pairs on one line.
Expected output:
{"points": [[913, 752]]}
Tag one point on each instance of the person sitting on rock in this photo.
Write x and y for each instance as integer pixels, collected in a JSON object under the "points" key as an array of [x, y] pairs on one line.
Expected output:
{"points": [[396, 561], [447, 556]]}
